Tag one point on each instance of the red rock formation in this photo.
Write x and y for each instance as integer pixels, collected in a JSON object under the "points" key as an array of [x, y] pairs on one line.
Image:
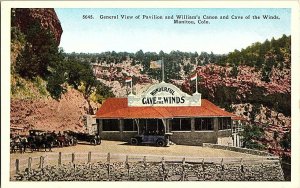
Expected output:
{"points": [[25, 17], [49, 114]]}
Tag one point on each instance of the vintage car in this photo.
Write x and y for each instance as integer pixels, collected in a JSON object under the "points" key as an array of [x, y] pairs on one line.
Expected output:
{"points": [[159, 140], [85, 137]]}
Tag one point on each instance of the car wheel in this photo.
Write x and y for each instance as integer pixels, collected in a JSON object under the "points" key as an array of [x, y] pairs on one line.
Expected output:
{"points": [[93, 142], [160, 143], [134, 141]]}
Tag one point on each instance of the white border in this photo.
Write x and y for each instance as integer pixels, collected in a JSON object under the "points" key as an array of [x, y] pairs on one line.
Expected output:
{"points": [[5, 85]]}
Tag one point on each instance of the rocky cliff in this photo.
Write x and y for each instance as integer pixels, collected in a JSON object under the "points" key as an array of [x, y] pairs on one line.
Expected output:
{"points": [[31, 106], [49, 114], [23, 18]]}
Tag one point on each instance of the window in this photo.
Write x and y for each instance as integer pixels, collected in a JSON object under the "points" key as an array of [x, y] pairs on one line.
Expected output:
{"points": [[181, 124], [224, 123], [175, 124], [110, 125], [203, 124], [130, 125]]}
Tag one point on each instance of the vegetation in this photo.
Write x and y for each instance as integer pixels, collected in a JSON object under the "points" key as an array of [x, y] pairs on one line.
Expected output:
{"points": [[251, 135], [39, 63], [285, 142], [262, 55]]}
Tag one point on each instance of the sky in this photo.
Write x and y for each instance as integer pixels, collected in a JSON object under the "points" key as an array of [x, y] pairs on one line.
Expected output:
{"points": [[220, 36]]}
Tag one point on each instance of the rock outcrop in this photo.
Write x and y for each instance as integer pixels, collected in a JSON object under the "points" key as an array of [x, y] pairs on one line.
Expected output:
{"points": [[49, 114], [23, 18]]}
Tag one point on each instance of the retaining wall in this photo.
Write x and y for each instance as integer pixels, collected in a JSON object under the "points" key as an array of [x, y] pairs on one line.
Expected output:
{"points": [[237, 149], [139, 171]]}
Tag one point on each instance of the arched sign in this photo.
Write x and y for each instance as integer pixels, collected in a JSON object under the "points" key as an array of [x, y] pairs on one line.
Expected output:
{"points": [[164, 94]]}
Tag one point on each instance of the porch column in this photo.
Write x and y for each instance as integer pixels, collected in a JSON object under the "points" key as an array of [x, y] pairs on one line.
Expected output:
{"points": [[216, 129], [121, 125], [168, 125], [137, 125], [215, 123], [165, 124], [193, 124], [100, 126], [121, 128]]}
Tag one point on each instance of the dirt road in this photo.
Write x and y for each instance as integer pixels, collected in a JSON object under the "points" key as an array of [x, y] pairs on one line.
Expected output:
{"points": [[116, 147]]}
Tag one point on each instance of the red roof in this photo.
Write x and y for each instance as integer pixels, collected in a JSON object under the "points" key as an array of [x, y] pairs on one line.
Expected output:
{"points": [[118, 108]]}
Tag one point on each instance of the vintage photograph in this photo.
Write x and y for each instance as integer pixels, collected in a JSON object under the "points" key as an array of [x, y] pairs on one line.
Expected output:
{"points": [[150, 94]]}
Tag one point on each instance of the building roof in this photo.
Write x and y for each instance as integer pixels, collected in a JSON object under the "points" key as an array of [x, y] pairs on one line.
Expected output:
{"points": [[118, 108]]}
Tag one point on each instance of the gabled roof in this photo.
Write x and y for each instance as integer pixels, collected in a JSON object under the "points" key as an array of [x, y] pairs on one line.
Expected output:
{"points": [[118, 108]]}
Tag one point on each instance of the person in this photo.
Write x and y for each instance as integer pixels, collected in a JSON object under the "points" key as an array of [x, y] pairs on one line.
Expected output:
{"points": [[59, 134], [17, 139], [53, 133]]}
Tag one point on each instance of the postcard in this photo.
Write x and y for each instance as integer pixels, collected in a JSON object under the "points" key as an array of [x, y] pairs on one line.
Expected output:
{"points": [[166, 93]]}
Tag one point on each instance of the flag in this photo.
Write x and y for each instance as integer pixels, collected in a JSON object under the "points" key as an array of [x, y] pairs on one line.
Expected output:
{"points": [[193, 77], [129, 79], [155, 64]]}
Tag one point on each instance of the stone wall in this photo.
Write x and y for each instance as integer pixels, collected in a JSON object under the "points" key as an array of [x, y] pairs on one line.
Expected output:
{"points": [[237, 149], [139, 171], [117, 135], [193, 138]]}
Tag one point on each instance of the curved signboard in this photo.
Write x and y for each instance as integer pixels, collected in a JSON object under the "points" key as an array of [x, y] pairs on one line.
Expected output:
{"points": [[164, 94]]}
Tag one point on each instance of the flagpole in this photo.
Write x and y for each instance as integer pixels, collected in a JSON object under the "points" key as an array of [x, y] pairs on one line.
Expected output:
{"points": [[131, 85], [163, 69], [196, 83]]}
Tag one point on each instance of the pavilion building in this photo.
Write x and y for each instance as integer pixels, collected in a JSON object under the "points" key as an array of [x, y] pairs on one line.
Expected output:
{"points": [[164, 108]]}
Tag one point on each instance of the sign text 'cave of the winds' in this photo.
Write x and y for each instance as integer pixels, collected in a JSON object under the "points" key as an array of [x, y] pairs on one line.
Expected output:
{"points": [[164, 94]]}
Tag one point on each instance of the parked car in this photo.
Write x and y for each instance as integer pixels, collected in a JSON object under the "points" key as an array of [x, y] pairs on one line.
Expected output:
{"points": [[160, 140], [92, 139]]}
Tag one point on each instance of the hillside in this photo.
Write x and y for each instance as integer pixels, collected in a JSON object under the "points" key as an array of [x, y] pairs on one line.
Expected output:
{"points": [[49, 114], [35, 57]]}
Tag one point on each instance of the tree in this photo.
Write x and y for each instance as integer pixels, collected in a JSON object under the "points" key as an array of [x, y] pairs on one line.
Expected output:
{"points": [[251, 135], [234, 71], [285, 142], [40, 54]]}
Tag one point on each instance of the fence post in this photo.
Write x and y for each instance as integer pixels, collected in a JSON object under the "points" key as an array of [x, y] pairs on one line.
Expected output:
{"points": [[222, 169], [73, 157], [183, 169], [145, 165], [262, 166], [59, 159], [222, 164], [108, 157], [242, 171], [29, 164], [108, 165], [127, 166], [41, 162], [242, 165], [89, 157], [144, 160], [163, 168], [17, 166]]}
